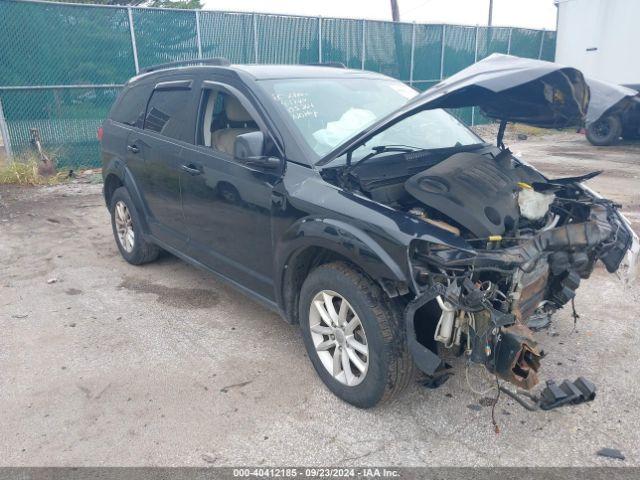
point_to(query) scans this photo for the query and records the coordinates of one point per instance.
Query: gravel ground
(103, 363)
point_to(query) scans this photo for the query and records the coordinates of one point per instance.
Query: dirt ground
(104, 363)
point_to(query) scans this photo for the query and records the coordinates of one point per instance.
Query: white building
(600, 38)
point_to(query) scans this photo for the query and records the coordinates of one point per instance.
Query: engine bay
(531, 241)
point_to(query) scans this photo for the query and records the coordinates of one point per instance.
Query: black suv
(361, 210)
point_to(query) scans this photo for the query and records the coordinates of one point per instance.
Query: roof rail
(220, 61)
(327, 64)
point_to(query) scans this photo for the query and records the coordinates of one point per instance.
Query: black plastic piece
(587, 389)
(427, 361)
(474, 190)
(500, 138)
(553, 396)
(572, 281)
(218, 61)
(571, 390)
(611, 453)
(436, 381)
(559, 262)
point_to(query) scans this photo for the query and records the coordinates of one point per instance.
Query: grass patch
(25, 170)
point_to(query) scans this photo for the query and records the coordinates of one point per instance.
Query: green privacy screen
(61, 66)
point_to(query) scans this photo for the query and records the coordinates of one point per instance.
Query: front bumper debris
(553, 395)
(517, 357)
(534, 277)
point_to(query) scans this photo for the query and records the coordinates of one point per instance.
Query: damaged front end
(486, 298)
(496, 246)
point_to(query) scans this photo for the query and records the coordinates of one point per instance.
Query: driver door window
(224, 119)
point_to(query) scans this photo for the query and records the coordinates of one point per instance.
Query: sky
(517, 13)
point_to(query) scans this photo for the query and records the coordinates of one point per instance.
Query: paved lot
(163, 365)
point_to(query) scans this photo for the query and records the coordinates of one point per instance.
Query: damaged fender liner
(517, 356)
(426, 360)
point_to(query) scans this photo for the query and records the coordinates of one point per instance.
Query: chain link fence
(63, 64)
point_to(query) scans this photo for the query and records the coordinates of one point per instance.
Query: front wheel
(354, 335)
(606, 131)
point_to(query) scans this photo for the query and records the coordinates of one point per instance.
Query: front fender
(343, 239)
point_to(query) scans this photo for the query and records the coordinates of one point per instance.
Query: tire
(389, 366)
(605, 131)
(137, 250)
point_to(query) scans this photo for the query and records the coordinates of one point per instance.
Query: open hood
(535, 92)
(607, 96)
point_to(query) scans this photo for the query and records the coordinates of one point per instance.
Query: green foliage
(26, 170)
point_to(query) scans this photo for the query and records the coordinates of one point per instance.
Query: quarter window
(167, 113)
(130, 109)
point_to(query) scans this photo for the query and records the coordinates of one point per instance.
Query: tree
(190, 4)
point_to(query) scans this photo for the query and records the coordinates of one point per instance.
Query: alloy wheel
(124, 226)
(339, 338)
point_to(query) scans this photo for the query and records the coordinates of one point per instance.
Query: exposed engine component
(522, 268)
(517, 357)
(477, 191)
(421, 213)
(533, 205)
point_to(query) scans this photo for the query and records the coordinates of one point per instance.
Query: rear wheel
(354, 335)
(605, 131)
(125, 222)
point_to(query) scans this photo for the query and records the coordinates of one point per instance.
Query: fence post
(364, 41)
(255, 37)
(320, 39)
(413, 53)
(475, 59)
(4, 131)
(133, 41)
(475, 55)
(541, 44)
(198, 34)
(444, 33)
(509, 41)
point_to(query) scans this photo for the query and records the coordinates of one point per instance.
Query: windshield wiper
(377, 150)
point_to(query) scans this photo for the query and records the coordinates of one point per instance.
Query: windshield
(426, 130)
(328, 111)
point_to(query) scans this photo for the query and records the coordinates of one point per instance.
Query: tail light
(100, 133)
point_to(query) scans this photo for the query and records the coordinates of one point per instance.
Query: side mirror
(248, 145)
(249, 149)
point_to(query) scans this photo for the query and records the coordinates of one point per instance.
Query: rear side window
(167, 113)
(131, 107)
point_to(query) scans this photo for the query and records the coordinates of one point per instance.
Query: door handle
(191, 169)
(133, 148)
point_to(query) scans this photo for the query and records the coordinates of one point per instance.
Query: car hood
(606, 96)
(535, 92)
